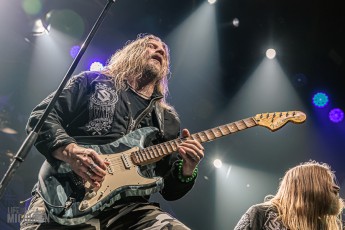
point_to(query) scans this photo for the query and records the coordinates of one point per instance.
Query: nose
(160, 50)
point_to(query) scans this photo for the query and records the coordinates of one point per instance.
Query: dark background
(210, 86)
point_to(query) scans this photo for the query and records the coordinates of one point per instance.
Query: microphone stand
(32, 136)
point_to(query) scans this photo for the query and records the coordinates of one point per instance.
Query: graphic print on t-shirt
(101, 109)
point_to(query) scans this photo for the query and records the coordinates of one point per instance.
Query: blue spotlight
(320, 100)
(74, 51)
(96, 66)
(336, 115)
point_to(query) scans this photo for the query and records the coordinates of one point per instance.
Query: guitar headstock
(276, 120)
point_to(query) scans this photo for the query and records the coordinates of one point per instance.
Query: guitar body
(69, 201)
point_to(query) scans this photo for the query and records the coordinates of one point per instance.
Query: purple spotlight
(336, 115)
(96, 66)
(320, 100)
(74, 51)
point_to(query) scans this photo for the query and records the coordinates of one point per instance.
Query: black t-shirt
(138, 105)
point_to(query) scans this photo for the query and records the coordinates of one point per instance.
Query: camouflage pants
(143, 216)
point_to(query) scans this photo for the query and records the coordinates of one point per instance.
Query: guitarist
(100, 107)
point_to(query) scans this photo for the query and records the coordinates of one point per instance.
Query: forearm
(63, 153)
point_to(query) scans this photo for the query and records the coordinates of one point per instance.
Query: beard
(151, 73)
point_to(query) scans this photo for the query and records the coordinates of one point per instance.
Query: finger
(185, 157)
(194, 143)
(192, 154)
(98, 160)
(87, 177)
(94, 176)
(91, 173)
(189, 154)
(192, 147)
(93, 167)
(92, 160)
(185, 133)
(81, 170)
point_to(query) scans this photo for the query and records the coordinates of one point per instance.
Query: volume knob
(90, 195)
(84, 205)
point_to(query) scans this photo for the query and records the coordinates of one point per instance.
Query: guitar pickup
(109, 168)
(125, 161)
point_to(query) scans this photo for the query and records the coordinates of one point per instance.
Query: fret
(202, 136)
(171, 143)
(175, 144)
(221, 131)
(144, 154)
(241, 125)
(196, 137)
(225, 130)
(233, 127)
(217, 132)
(168, 147)
(214, 133)
(136, 156)
(227, 127)
(159, 150)
(210, 134)
(164, 149)
(249, 122)
(140, 155)
(151, 151)
(155, 153)
(160, 153)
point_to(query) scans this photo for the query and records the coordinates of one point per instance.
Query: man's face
(157, 58)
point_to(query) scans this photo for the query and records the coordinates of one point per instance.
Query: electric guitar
(70, 201)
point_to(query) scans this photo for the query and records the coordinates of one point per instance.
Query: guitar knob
(84, 205)
(90, 195)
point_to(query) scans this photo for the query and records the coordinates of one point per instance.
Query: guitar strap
(159, 111)
(160, 117)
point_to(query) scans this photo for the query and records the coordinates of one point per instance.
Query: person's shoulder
(93, 75)
(171, 112)
(261, 207)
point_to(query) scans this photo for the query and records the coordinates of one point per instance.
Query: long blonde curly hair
(127, 64)
(307, 199)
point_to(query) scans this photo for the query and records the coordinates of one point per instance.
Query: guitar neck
(156, 152)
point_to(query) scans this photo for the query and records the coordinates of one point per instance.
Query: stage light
(211, 1)
(320, 100)
(32, 7)
(236, 22)
(217, 163)
(336, 115)
(96, 66)
(74, 51)
(40, 28)
(270, 53)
